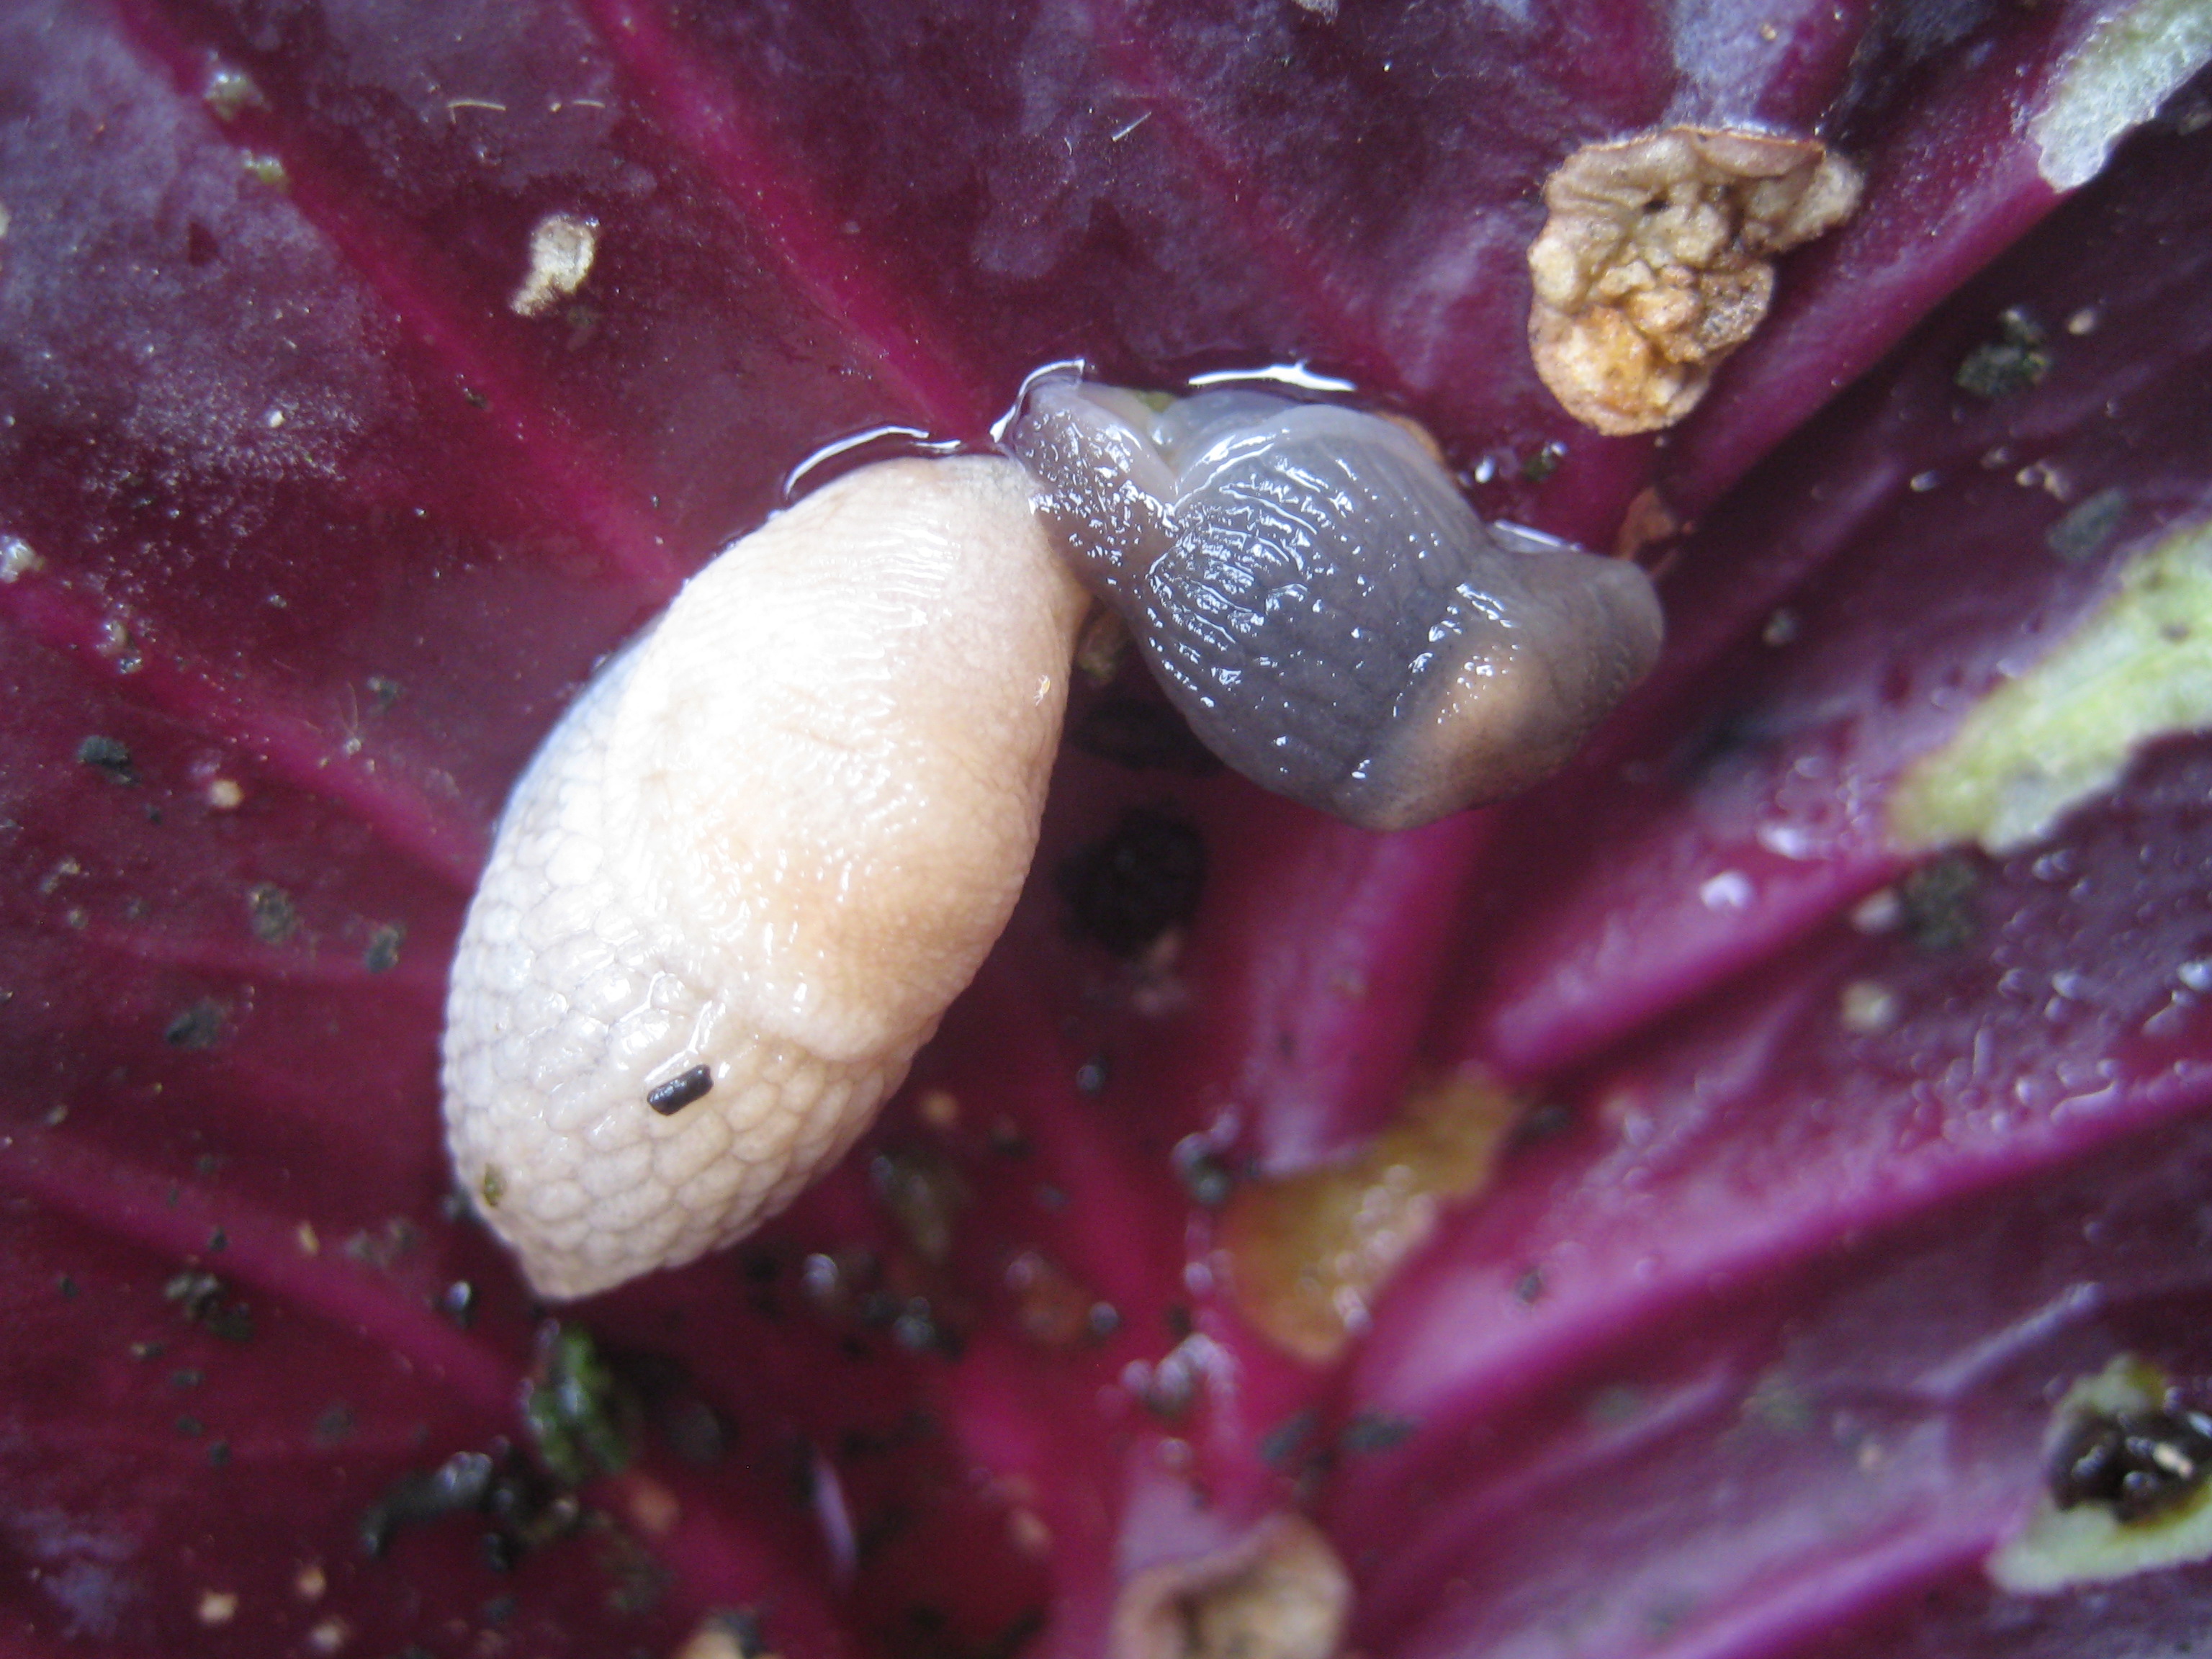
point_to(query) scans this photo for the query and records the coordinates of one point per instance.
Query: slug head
(1324, 607)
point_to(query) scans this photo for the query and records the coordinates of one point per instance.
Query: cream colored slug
(737, 888)
(776, 837)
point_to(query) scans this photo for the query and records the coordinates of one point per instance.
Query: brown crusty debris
(1657, 262)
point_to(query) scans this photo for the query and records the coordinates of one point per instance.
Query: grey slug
(1321, 604)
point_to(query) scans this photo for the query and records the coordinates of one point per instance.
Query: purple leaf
(1846, 1157)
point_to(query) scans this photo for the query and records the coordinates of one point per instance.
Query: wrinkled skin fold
(1318, 602)
(1750, 1343)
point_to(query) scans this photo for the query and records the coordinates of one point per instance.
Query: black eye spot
(680, 1090)
(2139, 1464)
(1130, 888)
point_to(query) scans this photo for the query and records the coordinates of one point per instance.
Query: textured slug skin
(775, 837)
(1330, 615)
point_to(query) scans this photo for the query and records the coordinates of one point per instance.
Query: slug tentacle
(1323, 605)
(743, 879)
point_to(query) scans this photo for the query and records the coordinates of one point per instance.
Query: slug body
(1324, 606)
(739, 884)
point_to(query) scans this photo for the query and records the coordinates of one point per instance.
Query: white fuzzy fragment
(775, 838)
(17, 559)
(561, 248)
